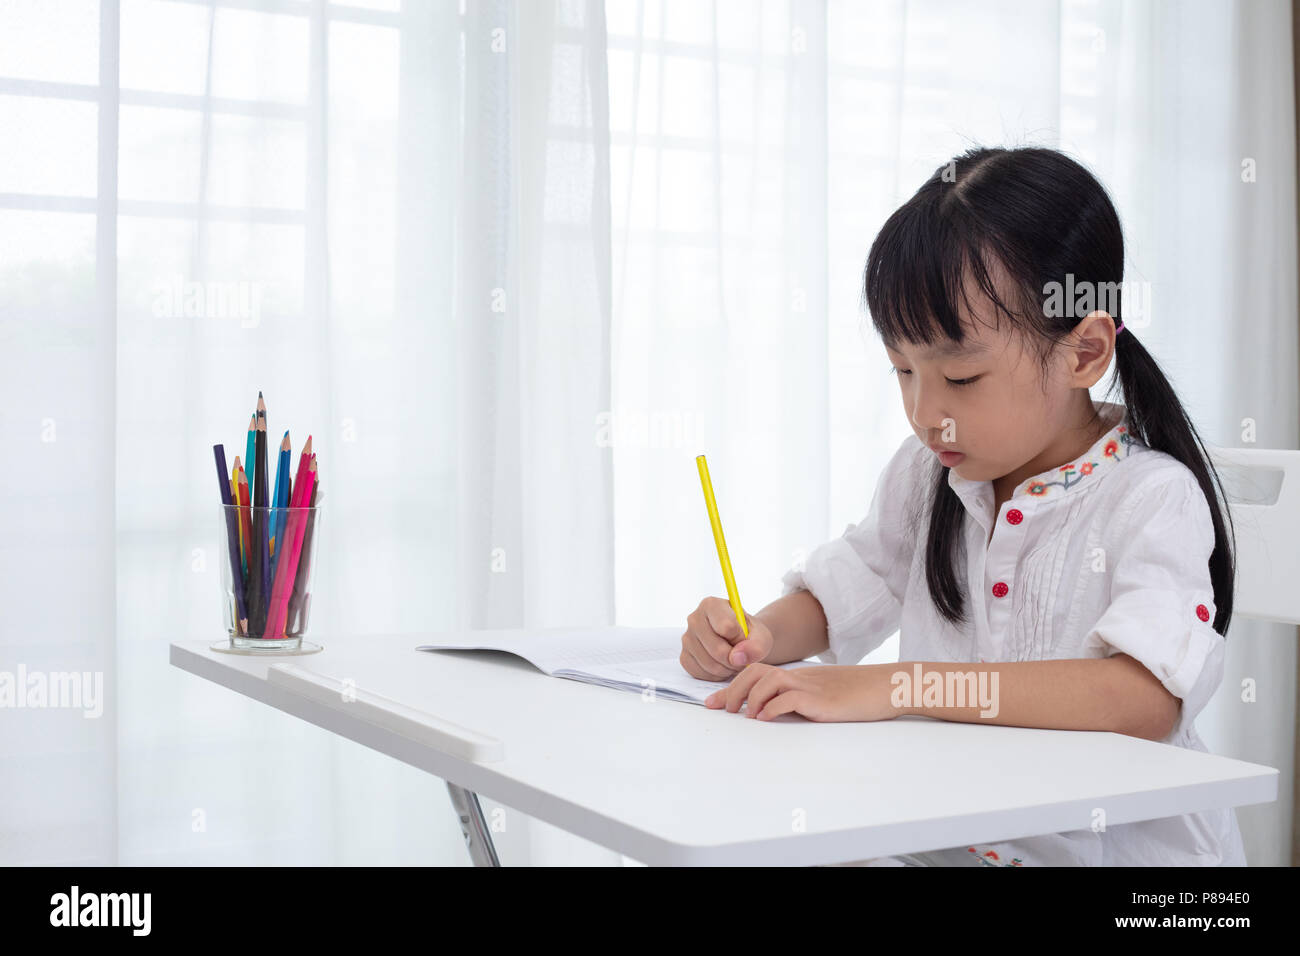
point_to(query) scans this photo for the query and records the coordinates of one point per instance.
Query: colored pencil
(232, 538)
(261, 521)
(282, 512)
(245, 523)
(282, 562)
(239, 525)
(286, 452)
(275, 504)
(299, 599)
(250, 457)
(269, 529)
(303, 459)
(733, 595)
(289, 555)
(280, 500)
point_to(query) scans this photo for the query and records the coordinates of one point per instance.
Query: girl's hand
(715, 648)
(822, 693)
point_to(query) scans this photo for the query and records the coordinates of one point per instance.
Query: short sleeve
(860, 578)
(1161, 609)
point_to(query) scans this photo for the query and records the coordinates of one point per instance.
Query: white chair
(1263, 489)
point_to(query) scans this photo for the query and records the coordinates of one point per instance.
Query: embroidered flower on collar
(991, 858)
(1114, 446)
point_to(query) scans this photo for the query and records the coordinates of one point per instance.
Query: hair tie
(1119, 328)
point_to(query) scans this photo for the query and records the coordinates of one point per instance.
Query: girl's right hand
(715, 648)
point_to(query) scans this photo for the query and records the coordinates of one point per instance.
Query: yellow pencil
(732, 594)
(234, 497)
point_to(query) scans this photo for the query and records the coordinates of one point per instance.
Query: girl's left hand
(824, 693)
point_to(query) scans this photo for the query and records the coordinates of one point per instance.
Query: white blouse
(1105, 555)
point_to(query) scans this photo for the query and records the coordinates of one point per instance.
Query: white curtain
(410, 203)
(515, 265)
(758, 148)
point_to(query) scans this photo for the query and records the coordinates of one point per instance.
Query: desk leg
(477, 838)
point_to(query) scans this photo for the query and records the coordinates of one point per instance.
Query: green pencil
(250, 458)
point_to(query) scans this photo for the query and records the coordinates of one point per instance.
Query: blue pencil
(286, 492)
(281, 499)
(250, 456)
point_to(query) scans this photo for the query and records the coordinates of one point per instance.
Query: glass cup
(269, 609)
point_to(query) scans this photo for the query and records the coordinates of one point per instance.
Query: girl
(1073, 553)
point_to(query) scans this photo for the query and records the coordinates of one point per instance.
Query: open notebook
(625, 658)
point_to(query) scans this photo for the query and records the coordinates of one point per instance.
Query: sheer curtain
(392, 219)
(513, 265)
(758, 147)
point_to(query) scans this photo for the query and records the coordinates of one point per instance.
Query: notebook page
(578, 649)
(664, 676)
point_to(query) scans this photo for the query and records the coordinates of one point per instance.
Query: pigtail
(1157, 418)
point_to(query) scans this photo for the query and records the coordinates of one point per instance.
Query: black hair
(1032, 215)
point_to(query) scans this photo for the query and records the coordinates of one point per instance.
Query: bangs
(917, 282)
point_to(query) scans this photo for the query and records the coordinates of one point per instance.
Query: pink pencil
(305, 457)
(281, 567)
(293, 536)
(282, 553)
(282, 557)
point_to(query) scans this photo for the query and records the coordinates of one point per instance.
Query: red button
(1202, 612)
(1014, 516)
(1000, 590)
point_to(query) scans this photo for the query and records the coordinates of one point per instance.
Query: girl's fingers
(716, 645)
(755, 647)
(786, 702)
(746, 652)
(735, 693)
(768, 686)
(691, 649)
(722, 620)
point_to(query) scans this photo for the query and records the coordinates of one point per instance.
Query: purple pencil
(232, 536)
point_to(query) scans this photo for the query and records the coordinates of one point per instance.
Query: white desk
(677, 784)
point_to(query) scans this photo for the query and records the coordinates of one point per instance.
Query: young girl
(1075, 549)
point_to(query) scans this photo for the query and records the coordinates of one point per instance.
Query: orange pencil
(239, 527)
(245, 514)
